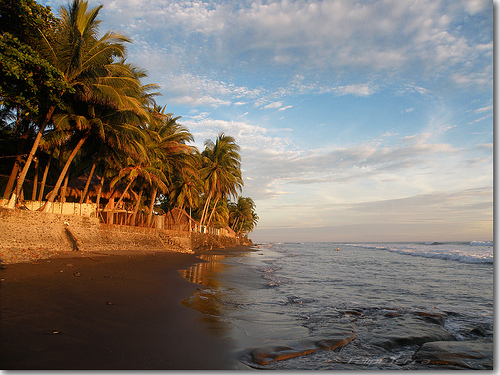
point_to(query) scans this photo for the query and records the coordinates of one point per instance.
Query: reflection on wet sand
(203, 273)
(209, 300)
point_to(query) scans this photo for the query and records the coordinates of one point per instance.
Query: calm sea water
(283, 293)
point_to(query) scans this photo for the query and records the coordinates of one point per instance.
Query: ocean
(347, 306)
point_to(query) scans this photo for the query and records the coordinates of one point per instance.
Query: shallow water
(295, 295)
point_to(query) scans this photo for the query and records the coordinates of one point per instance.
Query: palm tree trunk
(44, 178)
(99, 192)
(151, 205)
(62, 196)
(124, 192)
(87, 184)
(173, 218)
(22, 176)
(54, 192)
(136, 208)
(213, 210)
(236, 224)
(12, 178)
(35, 179)
(205, 209)
(179, 216)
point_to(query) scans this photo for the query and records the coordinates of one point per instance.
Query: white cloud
(192, 90)
(273, 105)
(359, 90)
(468, 79)
(200, 101)
(481, 118)
(476, 6)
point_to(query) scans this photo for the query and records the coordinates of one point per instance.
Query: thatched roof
(76, 186)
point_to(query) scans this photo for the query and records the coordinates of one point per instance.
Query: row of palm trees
(107, 125)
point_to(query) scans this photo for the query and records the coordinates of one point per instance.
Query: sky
(356, 120)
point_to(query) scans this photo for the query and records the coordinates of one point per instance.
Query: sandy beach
(102, 311)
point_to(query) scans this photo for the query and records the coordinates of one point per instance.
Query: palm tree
(127, 112)
(185, 192)
(220, 172)
(220, 215)
(151, 175)
(169, 145)
(242, 215)
(21, 128)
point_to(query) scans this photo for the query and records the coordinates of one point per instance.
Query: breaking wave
(473, 252)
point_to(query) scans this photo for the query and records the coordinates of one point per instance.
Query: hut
(108, 211)
(178, 219)
(228, 232)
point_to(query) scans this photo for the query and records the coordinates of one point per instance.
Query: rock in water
(466, 354)
(264, 356)
(393, 331)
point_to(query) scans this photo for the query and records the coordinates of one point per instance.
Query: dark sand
(106, 312)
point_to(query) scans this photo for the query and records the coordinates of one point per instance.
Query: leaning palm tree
(220, 172)
(74, 49)
(126, 111)
(151, 175)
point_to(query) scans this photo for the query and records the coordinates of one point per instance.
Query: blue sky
(357, 120)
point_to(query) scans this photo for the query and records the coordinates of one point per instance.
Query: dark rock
(407, 329)
(464, 354)
(432, 318)
(479, 331)
(264, 356)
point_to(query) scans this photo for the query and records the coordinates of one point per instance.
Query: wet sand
(106, 312)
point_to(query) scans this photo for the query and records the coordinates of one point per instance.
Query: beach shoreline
(107, 310)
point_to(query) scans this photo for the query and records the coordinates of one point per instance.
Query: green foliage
(25, 19)
(26, 80)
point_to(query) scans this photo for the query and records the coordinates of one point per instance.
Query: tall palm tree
(125, 108)
(169, 145)
(220, 172)
(242, 215)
